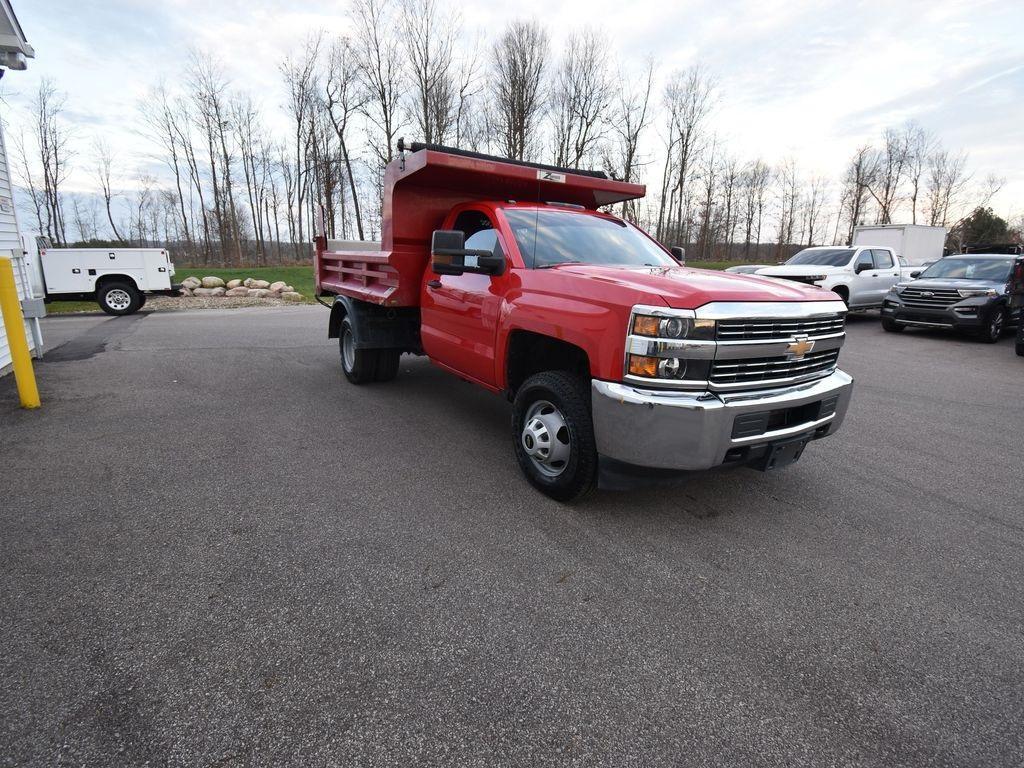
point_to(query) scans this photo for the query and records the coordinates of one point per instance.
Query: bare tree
(689, 97)
(162, 118)
(947, 178)
(857, 179)
(581, 95)
(104, 172)
(53, 139)
(430, 36)
(377, 52)
(630, 117)
(889, 169)
(920, 145)
(813, 207)
(342, 99)
(28, 180)
(518, 64)
(300, 80)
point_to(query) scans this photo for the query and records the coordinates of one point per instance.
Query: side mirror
(679, 254)
(449, 255)
(863, 266)
(915, 275)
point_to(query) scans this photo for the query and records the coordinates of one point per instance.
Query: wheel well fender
(104, 279)
(529, 353)
(342, 306)
(842, 290)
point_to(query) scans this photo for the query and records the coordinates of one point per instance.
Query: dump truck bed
(420, 188)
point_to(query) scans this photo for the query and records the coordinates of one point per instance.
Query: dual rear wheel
(363, 366)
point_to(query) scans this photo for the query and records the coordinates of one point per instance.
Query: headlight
(673, 327)
(968, 293)
(672, 368)
(898, 288)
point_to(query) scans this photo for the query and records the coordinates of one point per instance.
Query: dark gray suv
(965, 292)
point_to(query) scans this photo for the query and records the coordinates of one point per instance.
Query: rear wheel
(362, 366)
(890, 325)
(554, 435)
(119, 298)
(994, 328)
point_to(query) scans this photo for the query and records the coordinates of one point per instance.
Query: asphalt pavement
(215, 552)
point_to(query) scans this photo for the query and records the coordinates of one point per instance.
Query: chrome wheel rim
(546, 438)
(348, 350)
(118, 299)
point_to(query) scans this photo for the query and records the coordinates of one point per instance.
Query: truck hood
(798, 270)
(688, 288)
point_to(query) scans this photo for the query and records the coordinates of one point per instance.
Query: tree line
(238, 189)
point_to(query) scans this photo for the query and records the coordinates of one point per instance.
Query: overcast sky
(807, 80)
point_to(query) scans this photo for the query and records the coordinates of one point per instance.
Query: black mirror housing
(678, 253)
(915, 275)
(862, 267)
(449, 255)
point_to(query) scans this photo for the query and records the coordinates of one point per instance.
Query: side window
(473, 223)
(883, 259)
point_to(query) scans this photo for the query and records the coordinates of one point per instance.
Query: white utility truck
(118, 279)
(915, 245)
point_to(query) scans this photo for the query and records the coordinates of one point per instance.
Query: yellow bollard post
(10, 305)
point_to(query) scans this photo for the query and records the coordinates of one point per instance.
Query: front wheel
(994, 328)
(119, 298)
(554, 435)
(890, 325)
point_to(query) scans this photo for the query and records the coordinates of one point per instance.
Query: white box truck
(916, 245)
(118, 279)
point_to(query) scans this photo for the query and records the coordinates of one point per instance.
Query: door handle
(433, 283)
(76, 271)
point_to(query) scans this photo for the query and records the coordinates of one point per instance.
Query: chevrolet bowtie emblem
(799, 348)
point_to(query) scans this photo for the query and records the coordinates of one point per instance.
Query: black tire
(890, 325)
(142, 300)
(1019, 346)
(569, 397)
(387, 364)
(994, 327)
(118, 298)
(359, 365)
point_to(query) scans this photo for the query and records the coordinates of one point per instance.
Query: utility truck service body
(615, 357)
(118, 279)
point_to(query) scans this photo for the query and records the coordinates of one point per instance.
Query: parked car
(614, 356)
(118, 279)
(966, 292)
(746, 269)
(1017, 301)
(860, 276)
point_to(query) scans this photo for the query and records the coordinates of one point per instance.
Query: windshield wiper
(557, 264)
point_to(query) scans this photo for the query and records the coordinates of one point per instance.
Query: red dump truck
(617, 360)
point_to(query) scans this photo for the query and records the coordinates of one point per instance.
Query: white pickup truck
(861, 276)
(118, 279)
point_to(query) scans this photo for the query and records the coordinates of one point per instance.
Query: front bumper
(668, 429)
(968, 314)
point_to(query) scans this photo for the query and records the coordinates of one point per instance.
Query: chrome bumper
(694, 430)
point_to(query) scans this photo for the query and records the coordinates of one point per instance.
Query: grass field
(300, 278)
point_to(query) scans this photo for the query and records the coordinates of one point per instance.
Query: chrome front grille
(760, 369)
(930, 298)
(753, 329)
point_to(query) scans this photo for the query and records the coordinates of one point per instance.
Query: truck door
(459, 313)
(888, 270)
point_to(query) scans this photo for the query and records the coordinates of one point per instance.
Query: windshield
(997, 270)
(825, 257)
(547, 238)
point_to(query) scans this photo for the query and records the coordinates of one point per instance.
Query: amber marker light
(641, 365)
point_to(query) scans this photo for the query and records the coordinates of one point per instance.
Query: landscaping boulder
(191, 283)
(233, 284)
(287, 289)
(238, 290)
(247, 282)
(291, 296)
(185, 291)
(259, 293)
(218, 291)
(258, 284)
(212, 282)
(278, 286)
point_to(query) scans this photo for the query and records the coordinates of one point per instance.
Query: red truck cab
(615, 357)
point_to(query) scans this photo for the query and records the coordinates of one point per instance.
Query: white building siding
(10, 245)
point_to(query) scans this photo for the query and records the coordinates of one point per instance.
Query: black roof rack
(418, 145)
